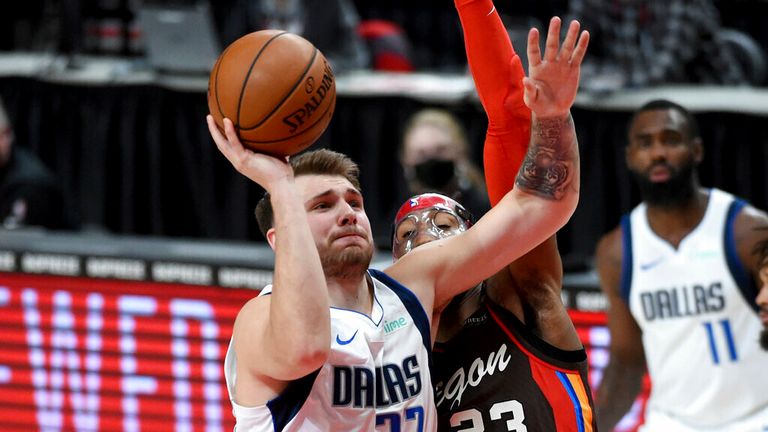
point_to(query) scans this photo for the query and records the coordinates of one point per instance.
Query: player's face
(661, 156)
(338, 223)
(423, 226)
(762, 302)
(659, 144)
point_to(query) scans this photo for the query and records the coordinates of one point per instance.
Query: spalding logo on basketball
(277, 88)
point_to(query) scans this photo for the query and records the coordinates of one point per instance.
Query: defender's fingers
(581, 49)
(570, 41)
(553, 40)
(534, 51)
(531, 93)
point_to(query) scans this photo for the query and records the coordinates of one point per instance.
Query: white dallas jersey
(376, 377)
(696, 309)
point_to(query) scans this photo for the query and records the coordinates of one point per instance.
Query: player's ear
(271, 238)
(698, 150)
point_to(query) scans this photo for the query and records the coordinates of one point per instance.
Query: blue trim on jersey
(744, 280)
(288, 403)
(412, 305)
(626, 261)
(375, 299)
(574, 399)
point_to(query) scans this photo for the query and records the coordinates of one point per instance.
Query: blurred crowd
(637, 43)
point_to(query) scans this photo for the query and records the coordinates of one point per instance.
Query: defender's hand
(552, 82)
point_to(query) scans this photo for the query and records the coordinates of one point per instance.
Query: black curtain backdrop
(139, 159)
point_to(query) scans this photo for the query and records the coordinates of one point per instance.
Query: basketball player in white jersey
(333, 346)
(680, 276)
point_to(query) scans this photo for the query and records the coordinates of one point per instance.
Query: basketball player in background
(679, 274)
(335, 346)
(762, 296)
(506, 355)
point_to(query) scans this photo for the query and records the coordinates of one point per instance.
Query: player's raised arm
(498, 74)
(294, 321)
(547, 187)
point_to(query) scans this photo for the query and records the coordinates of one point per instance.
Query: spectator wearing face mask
(434, 154)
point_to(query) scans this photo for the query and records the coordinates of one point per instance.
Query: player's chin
(351, 261)
(352, 240)
(351, 245)
(356, 252)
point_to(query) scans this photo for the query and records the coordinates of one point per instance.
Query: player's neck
(351, 293)
(456, 313)
(674, 223)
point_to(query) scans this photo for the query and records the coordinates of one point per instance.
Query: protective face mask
(435, 173)
(425, 225)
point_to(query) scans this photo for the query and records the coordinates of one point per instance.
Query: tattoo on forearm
(548, 166)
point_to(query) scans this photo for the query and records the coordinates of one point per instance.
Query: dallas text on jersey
(389, 384)
(678, 302)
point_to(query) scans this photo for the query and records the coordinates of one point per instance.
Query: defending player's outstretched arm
(498, 75)
(535, 209)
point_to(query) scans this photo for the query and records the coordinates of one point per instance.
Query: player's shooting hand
(261, 168)
(552, 82)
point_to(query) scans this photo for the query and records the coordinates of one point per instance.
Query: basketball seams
(311, 126)
(251, 83)
(285, 98)
(248, 75)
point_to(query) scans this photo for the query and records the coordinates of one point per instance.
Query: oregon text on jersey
(461, 379)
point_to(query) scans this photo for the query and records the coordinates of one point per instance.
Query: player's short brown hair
(318, 162)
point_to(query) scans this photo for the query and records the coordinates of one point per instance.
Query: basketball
(277, 88)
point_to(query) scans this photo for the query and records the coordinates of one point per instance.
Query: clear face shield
(426, 218)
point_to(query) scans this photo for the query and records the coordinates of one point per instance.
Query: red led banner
(82, 354)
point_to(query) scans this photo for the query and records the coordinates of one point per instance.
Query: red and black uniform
(496, 375)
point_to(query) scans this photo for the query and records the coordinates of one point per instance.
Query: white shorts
(656, 421)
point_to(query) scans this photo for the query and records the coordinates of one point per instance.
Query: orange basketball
(277, 88)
